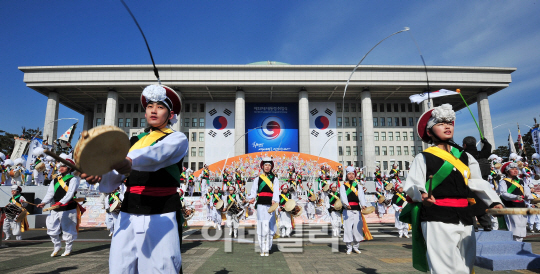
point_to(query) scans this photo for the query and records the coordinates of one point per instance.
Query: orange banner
(248, 164)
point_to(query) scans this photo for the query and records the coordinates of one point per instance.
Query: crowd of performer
(143, 195)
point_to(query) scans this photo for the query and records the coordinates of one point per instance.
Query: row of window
(194, 151)
(398, 136)
(193, 165)
(378, 121)
(128, 122)
(194, 136)
(390, 150)
(128, 108)
(348, 151)
(194, 122)
(387, 121)
(388, 107)
(348, 136)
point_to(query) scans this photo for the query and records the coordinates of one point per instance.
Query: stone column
(88, 120)
(111, 111)
(303, 121)
(51, 115)
(484, 118)
(240, 123)
(368, 143)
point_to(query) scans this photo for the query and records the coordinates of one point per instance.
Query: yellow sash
(115, 197)
(268, 182)
(217, 197)
(150, 138)
(24, 223)
(401, 196)
(456, 162)
(284, 197)
(515, 184)
(352, 188)
(62, 183)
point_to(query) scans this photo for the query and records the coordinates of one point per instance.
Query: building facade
(374, 123)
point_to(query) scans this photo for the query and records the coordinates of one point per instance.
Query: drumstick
(50, 208)
(63, 161)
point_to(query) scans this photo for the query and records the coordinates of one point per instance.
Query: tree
(7, 142)
(502, 151)
(29, 134)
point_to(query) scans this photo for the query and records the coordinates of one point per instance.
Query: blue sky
(449, 33)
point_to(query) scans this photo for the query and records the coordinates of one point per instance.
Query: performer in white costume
(285, 220)
(39, 177)
(20, 165)
(8, 163)
(147, 239)
(264, 193)
(335, 215)
(353, 200)
(446, 216)
(11, 226)
(514, 192)
(398, 201)
(232, 217)
(112, 215)
(63, 219)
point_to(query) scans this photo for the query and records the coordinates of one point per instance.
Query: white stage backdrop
(322, 130)
(219, 131)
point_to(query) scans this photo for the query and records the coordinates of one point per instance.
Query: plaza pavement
(310, 250)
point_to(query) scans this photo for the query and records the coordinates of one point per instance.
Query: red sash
(152, 190)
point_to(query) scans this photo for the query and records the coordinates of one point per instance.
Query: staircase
(496, 250)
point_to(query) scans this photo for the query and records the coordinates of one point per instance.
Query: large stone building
(374, 123)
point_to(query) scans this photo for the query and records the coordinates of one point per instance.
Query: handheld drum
(219, 204)
(40, 167)
(389, 186)
(100, 148)
(273, 207)
(290, 205)
(338, 205)
(368, 210)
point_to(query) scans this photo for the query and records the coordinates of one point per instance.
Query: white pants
(335, 220)
(451, 248)
(285, 223)
(310, 209)
(494, 222)
(266, 227)
(352, 226)
(110, 221)
(534, 221)
(12, 227)
(232, 221)
(381, 209)
(65, 222)
(216, 216)
(403, 228)
(517, 224)
(145, 244)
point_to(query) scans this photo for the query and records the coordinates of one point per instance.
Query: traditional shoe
(348, 252)
(55, 252)
(266, 254)
(262, 254)
(407, 236)
(66, 253)
(488, 228)
(400, 236)
(230, 233)
(6, 239)
(357, 251)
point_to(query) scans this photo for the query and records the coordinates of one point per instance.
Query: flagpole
(481, 135)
